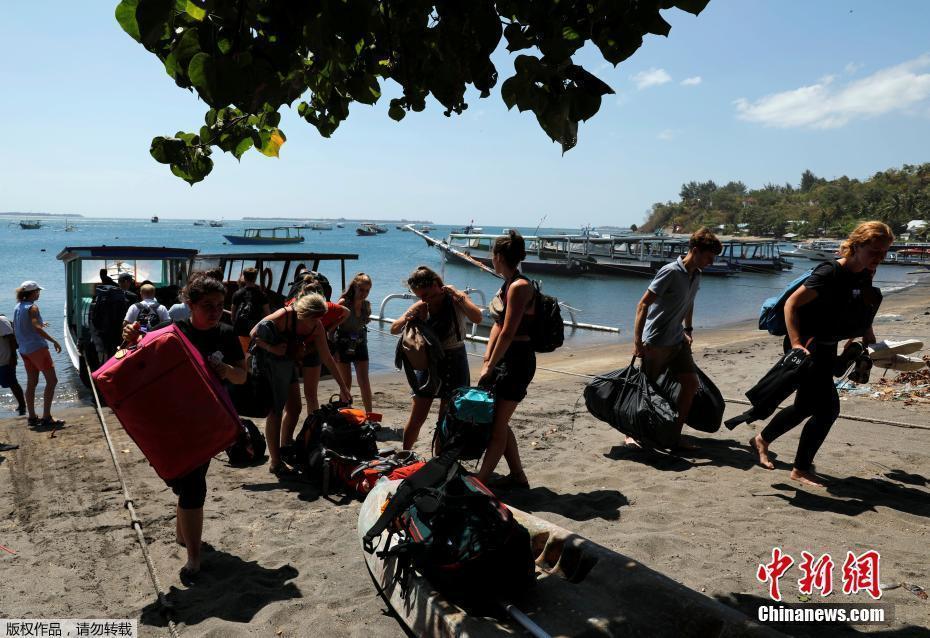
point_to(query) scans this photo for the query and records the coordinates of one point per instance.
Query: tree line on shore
(815, 208)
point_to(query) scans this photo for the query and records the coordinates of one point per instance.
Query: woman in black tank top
(509, 361)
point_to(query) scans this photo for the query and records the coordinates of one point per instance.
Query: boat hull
(264, 241)
(582, 588)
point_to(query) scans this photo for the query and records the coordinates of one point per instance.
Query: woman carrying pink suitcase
(220, 348)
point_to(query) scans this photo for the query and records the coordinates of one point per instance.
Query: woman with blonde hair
(351, 336)
(836, 302)
(280, 342)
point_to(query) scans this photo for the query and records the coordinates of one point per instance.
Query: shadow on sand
(712, 453)
(227, 588)
(854, 495)
(584, 506)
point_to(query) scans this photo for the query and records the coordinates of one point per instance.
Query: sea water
(388, 258)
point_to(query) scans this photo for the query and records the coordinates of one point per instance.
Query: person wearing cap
(31, 340)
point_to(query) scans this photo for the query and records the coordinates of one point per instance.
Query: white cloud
(651, 77)
(692, 81)
(667, 135)
(825, 105)
(852, 67)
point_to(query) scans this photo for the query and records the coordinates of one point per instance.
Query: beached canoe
(582, 588)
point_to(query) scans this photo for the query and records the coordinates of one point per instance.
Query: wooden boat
(166, 268)
(273, 236)
(543, 254)
(582, 589)
(379, 228)
(320, 226)
(30, 224)
(154, 219)
(366, 230)
(817, 249)
(217, 223)
(69, 227)
(200, 222)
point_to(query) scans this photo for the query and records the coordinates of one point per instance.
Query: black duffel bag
(630, 403)
(777, 385)
(707, 408)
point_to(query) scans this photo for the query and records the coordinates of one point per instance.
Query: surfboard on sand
(582, 588)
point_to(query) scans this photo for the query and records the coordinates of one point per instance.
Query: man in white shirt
(148, 312)
(8, 364)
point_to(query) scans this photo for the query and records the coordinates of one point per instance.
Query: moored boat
(217, 223)
(154, 219)
(30, 224)
(165, 268)
(581, 589)
(267, 236)
(366, 230)
(379, 228)
(816, 249)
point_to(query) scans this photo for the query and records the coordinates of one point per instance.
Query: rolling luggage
(169, 401)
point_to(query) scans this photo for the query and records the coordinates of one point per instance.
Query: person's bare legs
(272, 438)
(51, 380)
(807, 478)
(291, 413)
(418, 413)
(17, 391)
(761, 447)
(190, 529)
(500, 437)
(364, 384)
(689, 383)
(512, 456)
(345, 369)
(32, 380)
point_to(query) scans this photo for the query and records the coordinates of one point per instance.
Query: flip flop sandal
(509, 483)
(51, 423)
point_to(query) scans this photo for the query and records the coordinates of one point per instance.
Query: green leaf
(569, 34)
(187, 47)
(244, 144)
(202, 74)
(198, 13)
(396, 112)
(126, 16)
(166, 150)
(509, 92)
(154, 18)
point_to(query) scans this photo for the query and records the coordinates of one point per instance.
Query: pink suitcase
(169, 401)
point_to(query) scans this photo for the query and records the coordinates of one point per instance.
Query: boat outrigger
(276, 235)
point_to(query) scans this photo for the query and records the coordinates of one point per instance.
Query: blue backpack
(772, 313)
(467, 423)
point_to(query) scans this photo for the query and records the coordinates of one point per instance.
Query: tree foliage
(246, 59)
(817, 207)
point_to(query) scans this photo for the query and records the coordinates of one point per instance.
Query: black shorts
(453, 371)
(513, 373)
(191, 489)
(343, 355)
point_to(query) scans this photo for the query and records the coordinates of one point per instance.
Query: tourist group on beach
(287, 348)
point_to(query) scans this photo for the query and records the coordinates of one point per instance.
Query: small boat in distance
(30, 224)
(154, 219)
(69, 227)
(275, 235)
(217, 223)
(200, 222)
(379, 228)
(366, 230)
(817, 249)
(320, 226)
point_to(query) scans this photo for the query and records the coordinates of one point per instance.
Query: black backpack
(245, 311)
(249, 447)
(108, 310)
(457, 534)
(328, 432)
(148, 315)
(548, 331)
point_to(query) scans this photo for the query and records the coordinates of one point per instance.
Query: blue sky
(749, 90)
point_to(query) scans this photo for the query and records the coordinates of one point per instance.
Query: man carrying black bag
(663, 328)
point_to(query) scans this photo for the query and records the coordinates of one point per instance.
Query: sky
(750, 90)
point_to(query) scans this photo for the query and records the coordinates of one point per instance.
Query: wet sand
(286, 562)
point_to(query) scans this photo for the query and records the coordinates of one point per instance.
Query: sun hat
(124, 275)
(29, 286)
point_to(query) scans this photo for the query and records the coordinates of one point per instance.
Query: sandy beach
(286, 562)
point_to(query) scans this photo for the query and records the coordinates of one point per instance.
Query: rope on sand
(848, 417)
(135, 522)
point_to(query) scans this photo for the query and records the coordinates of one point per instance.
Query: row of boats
(901, 254)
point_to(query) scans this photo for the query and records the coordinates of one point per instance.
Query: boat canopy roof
(280, 256)
(72, 253)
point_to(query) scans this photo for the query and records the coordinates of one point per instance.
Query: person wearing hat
(127, 283)
(31, 337)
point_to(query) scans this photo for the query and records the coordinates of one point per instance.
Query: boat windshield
(155, 270)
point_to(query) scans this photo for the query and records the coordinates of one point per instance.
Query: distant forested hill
(816, 207)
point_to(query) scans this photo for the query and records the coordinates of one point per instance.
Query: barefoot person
(663, 328)
(351, 336)
(444, 309)
(280, 339)
(30, 338)
(204, 296)
(509, 360)
(837, 302)
(8, 364)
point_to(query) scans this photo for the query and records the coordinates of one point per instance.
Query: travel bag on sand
(707, 407)
(466, 423)
(249, 447)
(361, 478)
(630, 403)
(169, 401)
(457, 534)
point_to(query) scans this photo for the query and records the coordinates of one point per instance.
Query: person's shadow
(227, 588)
(854, 495)
(711, 453)
(583, 506)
